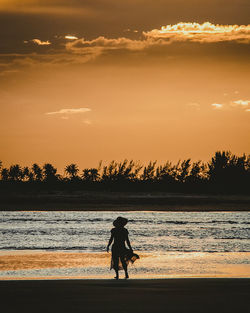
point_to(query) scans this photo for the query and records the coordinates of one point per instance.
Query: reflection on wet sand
(54, 265)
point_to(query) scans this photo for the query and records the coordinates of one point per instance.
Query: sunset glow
(85, 81)
(41, 43)
(206, 32)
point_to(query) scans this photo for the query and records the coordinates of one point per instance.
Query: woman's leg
(125, 267)
(116, 265)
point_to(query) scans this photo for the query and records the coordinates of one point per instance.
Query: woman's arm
(128, 243)
(110, 241)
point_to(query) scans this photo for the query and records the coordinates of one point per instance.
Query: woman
(121, 256)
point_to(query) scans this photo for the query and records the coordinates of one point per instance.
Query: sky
(89, 80)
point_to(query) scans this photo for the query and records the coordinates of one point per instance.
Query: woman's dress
(121, 254)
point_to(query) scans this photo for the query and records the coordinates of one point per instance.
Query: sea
(72, 244)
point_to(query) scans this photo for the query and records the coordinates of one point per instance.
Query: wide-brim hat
(120, 221)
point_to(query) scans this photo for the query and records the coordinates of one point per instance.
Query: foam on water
(149, 231)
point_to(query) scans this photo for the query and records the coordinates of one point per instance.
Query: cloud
(70, 37)
(40, 42)
(241, 103)
(203, 33)
(192, 32)
(73, 50)
(217, 105)
(69, 111)
(99, 44)
(91, 49)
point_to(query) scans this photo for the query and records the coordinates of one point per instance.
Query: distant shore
(123, 201)
(147, 296)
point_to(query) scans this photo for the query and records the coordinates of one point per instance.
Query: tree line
(225, 172)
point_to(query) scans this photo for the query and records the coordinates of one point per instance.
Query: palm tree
(49, 172)
(37, 171)
(27, 174)
(5, 174)
(15, 172)
(90, 174)
(72, 170)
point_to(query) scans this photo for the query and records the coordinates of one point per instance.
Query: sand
(166, 295)
(83, 265)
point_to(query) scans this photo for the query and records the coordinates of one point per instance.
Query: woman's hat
(120, 221)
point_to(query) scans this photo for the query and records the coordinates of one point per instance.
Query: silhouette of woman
(121, 256)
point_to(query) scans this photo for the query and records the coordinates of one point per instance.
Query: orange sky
(122, 87)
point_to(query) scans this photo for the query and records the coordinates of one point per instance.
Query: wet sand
(83, 265)
(166, 295)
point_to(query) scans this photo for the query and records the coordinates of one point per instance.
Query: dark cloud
(110, 17)
(103, 25)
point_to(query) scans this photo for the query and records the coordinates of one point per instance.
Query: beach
(81, 265)
(72, 245)
(92, 296)
(189, 262)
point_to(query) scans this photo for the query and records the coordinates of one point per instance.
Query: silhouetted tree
(198, 172)
(247, 163)
(37, 172)
(134, 170)
(166, 173)
(218, 165)
(15, 172)
(49, 172)
(225, 172)
(149, 172)
(72, 170)
(127, 170)
(90, 175)
(228, 171)
(184, 170)
(27, 174)
(5, 174)
(121, 171)
(110, 171)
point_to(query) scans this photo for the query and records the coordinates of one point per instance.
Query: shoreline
(124, 208)
(160, 295)
(121, 201)
(48, 265)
